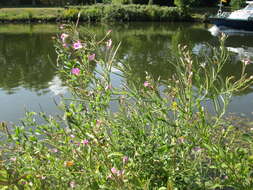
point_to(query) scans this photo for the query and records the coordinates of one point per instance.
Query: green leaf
(162, 149)
(3, 176)
(247, 137)
(115, 154)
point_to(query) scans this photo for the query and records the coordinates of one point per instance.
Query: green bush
(127, 13)
(121, 2)
(237, 4)
(195, 3)
(181, 3)
(101, 12)
(71, 13)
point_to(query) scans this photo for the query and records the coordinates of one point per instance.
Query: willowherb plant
(155, 140)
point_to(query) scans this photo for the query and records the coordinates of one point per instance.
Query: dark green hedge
(97, 13)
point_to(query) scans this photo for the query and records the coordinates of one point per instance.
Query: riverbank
(99, 13)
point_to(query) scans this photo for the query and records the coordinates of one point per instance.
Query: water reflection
(239, 41)
(240, 44)
(24, 61)
(25, 70)
(148, 48)
(29, 78)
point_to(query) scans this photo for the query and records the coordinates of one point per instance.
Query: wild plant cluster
(161, 136)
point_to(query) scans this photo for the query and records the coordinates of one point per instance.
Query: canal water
(28, 78)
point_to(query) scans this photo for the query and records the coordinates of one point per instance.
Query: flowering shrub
(155, 140)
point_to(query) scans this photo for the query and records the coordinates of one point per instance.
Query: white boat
(241, 19)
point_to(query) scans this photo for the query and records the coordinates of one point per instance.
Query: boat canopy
(249, 7)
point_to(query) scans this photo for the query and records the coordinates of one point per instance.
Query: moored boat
(241, 19)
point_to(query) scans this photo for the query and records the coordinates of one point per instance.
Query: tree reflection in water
(145, 47)
(24, 61)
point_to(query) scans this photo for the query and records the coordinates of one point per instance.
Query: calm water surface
(28, 79)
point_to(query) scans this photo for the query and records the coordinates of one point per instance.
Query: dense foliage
(126, 13)
(96, 13)
(160, 137)
(88, 2)
(236, 4)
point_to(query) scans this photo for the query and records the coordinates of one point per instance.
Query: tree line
(189, 3)
(42, 2)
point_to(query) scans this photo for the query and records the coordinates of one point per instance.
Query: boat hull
(233, 23)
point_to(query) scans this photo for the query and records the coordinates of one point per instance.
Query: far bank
(102, 13)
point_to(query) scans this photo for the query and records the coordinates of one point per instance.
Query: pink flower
(64, 45)
(109, 176)
(181, 140)
(92, 57)
(54, 150)
(72, 136)
(85, 142)
(62, 26)
(72, 184)
(78, 144)
(109, 43)
(13, 159)
(43, 177)
(98, 122)
(197, 149)
(246, 62)
(120, 172)
(108, 87)
(125, 159)
(108, 32)
(146, 84)
(75, 71)
(114, 170)
(63, 37)
(77, 45)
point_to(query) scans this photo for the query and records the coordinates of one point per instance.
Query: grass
(15, 14)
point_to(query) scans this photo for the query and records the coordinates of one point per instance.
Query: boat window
(249, 7)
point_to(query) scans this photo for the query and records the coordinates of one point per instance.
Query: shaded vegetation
(192, 3)
(96, 13)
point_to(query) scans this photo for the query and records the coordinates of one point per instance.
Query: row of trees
(191, 3)
(42, 2)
